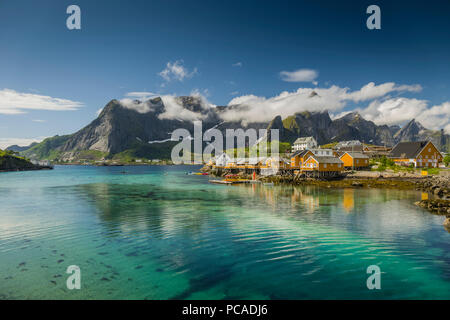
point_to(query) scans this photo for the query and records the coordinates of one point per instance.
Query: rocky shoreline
(27, 169)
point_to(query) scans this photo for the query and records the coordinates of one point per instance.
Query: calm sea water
(157, 233)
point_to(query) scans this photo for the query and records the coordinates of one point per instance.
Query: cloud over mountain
(334, 99)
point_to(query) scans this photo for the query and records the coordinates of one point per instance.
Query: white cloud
(137, 105)
(300, 75)
(237, 64)
(401, 110)
(254, 108)
(39, 120)
(140, 94)
(13, 102)
(372, 91)
(176, 71)
(174, 110)
(6, 142)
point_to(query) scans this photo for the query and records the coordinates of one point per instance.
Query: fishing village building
(354, 160)
(320, 162)
(322, 166)
(304, 143)
(299, 157)
(420, 154)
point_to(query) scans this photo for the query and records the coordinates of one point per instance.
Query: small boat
(229, 181)
(220, 181)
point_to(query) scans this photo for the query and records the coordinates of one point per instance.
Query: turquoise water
(156, 233)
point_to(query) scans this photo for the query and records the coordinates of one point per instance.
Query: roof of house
(300, 153)
(351, 148)
(348, 143)
(304, 140)
(407, 150)
(356, 155)
(326, 159)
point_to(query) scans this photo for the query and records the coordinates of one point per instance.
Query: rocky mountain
(143, 129)
(414, 131)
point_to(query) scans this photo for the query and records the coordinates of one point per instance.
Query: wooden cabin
(420, 154)
(276, 162)
(322, 166)
(298, 157)
(376, 151)
(354, 160)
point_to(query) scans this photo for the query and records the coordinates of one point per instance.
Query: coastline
(27, 169)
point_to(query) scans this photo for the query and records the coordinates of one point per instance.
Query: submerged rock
(447, 222)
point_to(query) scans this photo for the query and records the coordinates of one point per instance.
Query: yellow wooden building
(299, 157)
(355, 160)
(322, 166)
(422, 154)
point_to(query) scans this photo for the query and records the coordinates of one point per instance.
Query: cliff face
(120, 127)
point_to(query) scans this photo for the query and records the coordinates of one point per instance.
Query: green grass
(47, 149)
(329, 145)
(433, 170)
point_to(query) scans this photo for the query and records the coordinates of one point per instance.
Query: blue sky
(221, 49)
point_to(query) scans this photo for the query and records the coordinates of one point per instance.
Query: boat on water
(197, 173)
(230, 181)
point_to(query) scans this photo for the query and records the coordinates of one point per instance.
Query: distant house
(304, 143)
(323, 165)
(43, 163)
(355, 160)
(348, 143)
(222, 160)
(376, 151)
(277, 162)
(353, 148)
(420, 154)
(272, 165)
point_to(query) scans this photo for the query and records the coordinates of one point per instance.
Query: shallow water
(156, 233)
